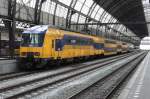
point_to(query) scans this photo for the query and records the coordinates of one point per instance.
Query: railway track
(69, 88)
(18, 74)
(20, 86)
(104, 88)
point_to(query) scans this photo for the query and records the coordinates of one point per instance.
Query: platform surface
(8, 66)
(138, 86)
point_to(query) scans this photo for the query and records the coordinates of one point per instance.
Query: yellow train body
(42, 44)
(110, 47)
(48, 50)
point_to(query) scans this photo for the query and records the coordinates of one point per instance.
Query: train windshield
(32, 40)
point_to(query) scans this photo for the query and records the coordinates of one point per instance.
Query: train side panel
(70, 45)
(110, 47)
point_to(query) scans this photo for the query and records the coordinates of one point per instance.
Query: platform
(8, 66)
(138, 86)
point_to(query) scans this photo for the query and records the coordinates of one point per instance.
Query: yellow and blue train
(44, 44)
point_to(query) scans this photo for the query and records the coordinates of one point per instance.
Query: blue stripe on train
(84, 41)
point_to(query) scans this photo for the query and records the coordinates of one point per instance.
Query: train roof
(78, 34)
(37, 29)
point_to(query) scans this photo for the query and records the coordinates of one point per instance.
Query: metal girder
(11, 25)
(54, 16)
(87, 20)
(91, 9)
(68, 7)
(70, 13)
(79, 13)
(37, 11)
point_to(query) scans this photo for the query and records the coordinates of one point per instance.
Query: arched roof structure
(65, 12)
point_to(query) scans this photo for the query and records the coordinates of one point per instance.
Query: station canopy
(127, 11)
(104, 11)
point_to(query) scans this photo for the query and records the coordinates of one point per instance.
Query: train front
(31, 48)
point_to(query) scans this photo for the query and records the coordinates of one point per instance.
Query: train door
(58, 47)
(53, 48)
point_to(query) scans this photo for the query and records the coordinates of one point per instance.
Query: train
(44, 44)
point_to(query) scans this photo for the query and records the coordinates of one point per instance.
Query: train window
(32, 39)
(58, 44)
(73, 41)
(77, 40)
(68, 41)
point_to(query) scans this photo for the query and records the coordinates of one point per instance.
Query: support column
(11, 25)
(37, 12)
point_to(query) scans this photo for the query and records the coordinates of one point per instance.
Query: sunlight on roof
(145, 43)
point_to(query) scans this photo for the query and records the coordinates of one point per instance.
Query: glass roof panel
(101, 10)
(89, 3)
(61, 11)
(107, 18)
(85, 9)
(95, 11)
(79, 4)
(52, 8)
(87, 6)
(49, 7)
